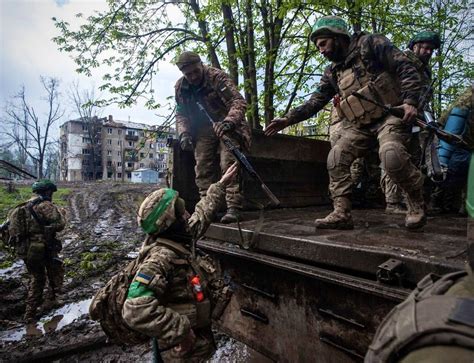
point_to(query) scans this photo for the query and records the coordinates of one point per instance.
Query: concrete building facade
(103, 148)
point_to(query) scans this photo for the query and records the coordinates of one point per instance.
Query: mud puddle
(53, 321)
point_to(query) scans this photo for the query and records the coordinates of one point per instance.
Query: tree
(262, 42)
(30, 132)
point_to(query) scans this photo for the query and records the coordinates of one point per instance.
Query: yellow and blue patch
(143, 278)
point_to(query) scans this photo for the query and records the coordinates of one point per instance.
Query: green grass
(23, 193)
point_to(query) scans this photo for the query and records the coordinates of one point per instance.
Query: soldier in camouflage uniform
(217, 93)
(371, 65)
(164, 300)
(41, 248)
(420, 49)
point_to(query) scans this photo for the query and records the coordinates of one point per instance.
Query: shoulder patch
(143, 278)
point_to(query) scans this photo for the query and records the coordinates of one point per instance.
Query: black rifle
(398, 112)
(241, 158)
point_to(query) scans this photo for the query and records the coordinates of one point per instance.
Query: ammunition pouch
(198, 313)
(383, 88)
(36, 252)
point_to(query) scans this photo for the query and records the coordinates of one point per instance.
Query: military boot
(232, 215)
(416, 215)
(340, 218)
(395, 208)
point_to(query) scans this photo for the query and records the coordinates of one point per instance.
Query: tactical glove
(221, 128)
(186, 142)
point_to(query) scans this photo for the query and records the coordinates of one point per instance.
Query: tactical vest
(426, 318)
(381, 87)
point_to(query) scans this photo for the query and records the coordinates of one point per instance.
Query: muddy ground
(101, 237)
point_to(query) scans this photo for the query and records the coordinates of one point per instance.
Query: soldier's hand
(277, 124)
(186, 344)
(230, 174)
(410, 112)
(220, 128)
(186, 142)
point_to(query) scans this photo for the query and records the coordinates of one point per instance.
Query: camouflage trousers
(368, 164)
(393, 193)
(210, 154)
(392, 136)
(203, 349)
(51, 269)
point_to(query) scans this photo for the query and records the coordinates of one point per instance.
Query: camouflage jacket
(166, 307)
(220, 98)
(378, 55)
(49, 215)
(424, 72)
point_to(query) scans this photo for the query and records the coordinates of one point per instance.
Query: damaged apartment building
(103, 148)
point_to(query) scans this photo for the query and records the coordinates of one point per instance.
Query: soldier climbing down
(371, 65)
(217, 93)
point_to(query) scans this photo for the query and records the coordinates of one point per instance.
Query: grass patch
(23, 193)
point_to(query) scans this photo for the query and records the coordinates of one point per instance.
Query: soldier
(38, 246)
(371, 65)
(420, 49)
(217, 93)
(173, 294)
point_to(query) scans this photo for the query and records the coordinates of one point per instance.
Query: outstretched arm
(207, 207)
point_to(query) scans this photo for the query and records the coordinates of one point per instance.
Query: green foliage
(132, 38)
(23, 193)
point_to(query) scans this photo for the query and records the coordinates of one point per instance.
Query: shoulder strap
(36, 217)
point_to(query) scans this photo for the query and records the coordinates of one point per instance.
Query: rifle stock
(242, 159)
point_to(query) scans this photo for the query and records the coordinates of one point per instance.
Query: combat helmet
(159, 210)
(425, 36)
(43, 185)
(329, 26)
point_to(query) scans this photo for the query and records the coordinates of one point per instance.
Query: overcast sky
(28, 52)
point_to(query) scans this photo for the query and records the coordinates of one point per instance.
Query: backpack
(106, 306)
(20, 219)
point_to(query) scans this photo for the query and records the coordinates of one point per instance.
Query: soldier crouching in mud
(32, 228)
(174, 294)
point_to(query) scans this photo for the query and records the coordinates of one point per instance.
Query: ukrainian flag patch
(143, 278)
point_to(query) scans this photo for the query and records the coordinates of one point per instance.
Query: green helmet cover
(329, 26)
(43, 185)
(157, 211)
(426, 36)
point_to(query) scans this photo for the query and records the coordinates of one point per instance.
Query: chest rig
(355, 76)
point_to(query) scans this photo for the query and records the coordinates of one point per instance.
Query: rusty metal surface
(295, 313)
(290, 233)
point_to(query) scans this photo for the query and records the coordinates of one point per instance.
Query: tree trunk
(251, 70)
(230, 42)
(205, 34)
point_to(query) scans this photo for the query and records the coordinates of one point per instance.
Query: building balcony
(131, 137)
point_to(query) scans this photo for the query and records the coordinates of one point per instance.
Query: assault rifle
(241, 158)
(398, 112)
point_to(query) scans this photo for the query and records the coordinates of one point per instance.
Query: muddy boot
(232, 215)
(395, 208)
(416, 216)
(340, 218)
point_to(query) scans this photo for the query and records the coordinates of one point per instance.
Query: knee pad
(392, 158)
(338, 156)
